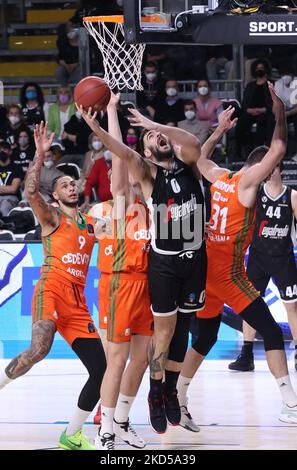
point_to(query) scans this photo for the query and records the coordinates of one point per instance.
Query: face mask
(97, 145)
(287, 79)
(131, 139)
(107, 155)
(260, 73)
(120, 3)
(190, 115)
(203, 90)
(72, 34)
(23, 141)
(151, 76)
(171, 91)
(31, 94)
(64, 99)
(78, 115)
(49, 164)
(14, 120)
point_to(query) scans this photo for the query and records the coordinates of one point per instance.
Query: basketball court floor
(235, 411)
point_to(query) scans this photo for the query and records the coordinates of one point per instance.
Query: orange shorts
(129, 310)
(227, 283)
(64, 303)
(103, 299)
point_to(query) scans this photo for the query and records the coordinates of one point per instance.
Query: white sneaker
(288, 415)
(104, 442)
(186, 420)
(125, 432)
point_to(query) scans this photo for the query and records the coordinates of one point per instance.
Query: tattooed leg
(158, 350)
(43, 332)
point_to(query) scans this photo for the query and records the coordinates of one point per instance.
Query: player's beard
(163, 156)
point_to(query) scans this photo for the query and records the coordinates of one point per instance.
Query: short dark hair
(151, 64)
(141, 141)
(257, 155)
(190, 102)
(55, 181)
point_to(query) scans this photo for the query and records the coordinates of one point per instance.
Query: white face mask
(49, 164)
(78, 114)
(14, 120)
(120, 3)
(287, 79)
(190, 115)
(97, 145)
(107, 155)
(203, 90)
(171, 91)
(151, 76)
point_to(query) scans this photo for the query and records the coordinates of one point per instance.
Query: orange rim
(154, 18)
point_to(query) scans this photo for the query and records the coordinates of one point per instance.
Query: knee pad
(273, 338)
(207, 334)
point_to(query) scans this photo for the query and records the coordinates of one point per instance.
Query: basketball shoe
(75, 442)
(125, 432)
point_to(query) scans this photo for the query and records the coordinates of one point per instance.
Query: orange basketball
(92, 92)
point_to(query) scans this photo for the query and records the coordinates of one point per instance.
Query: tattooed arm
(46, 214)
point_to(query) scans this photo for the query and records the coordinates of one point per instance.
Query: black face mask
(260, 73)
(3, 157)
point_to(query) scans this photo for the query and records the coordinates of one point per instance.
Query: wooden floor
(235, 410)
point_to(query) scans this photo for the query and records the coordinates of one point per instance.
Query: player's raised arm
(190, 145)
(137, 166)
(260, 171)
(46, 214)
(209, 169)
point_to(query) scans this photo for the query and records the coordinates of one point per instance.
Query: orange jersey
(68, 250)
(231, 224)
(125, 249)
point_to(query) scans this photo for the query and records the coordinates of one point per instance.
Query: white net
(122, 62)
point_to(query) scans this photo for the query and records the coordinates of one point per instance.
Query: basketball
(92, 92)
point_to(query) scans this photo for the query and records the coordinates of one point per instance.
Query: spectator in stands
(67, 44)
(132, 138)
(10, 180)
(152, 88)
(256, 109)
(98, 179)
(59, 113)
(285, 88)
(10, 130)
(24, 153)
(48, 173)
(171, 107)
(32, 104)
(96, 151)
(75, 139)
(208, 108)
(191, 124)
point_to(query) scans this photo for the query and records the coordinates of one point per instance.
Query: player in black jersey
(271, 255)
(170, 181)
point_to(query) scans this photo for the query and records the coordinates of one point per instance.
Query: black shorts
(282, 270)
(177, 282)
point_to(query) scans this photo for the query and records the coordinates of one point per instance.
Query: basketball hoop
(122, 62)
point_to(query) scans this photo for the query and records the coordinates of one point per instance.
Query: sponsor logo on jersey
(264, 199)
(226, 187)
(218, 238)
(91, 328)
(273, 232)
(76, 258)
(108, 250)
(142, 234)
(4, 176)
(75, 272)
(90, 229)
(218, 197)
(192, 298)
(183, 210)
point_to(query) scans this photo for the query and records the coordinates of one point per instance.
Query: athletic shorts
(282, 269)
(103, 293)
(227, 283)
(128, 307)
(177, 282)
(64, 303)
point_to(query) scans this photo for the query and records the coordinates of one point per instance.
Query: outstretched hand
(43, 141)
(277, 102)
(138, 120)
(225, 119)
(114, 99)
(89, 117)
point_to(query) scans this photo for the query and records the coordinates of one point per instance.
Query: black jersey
(176, 210)
(274, 223)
